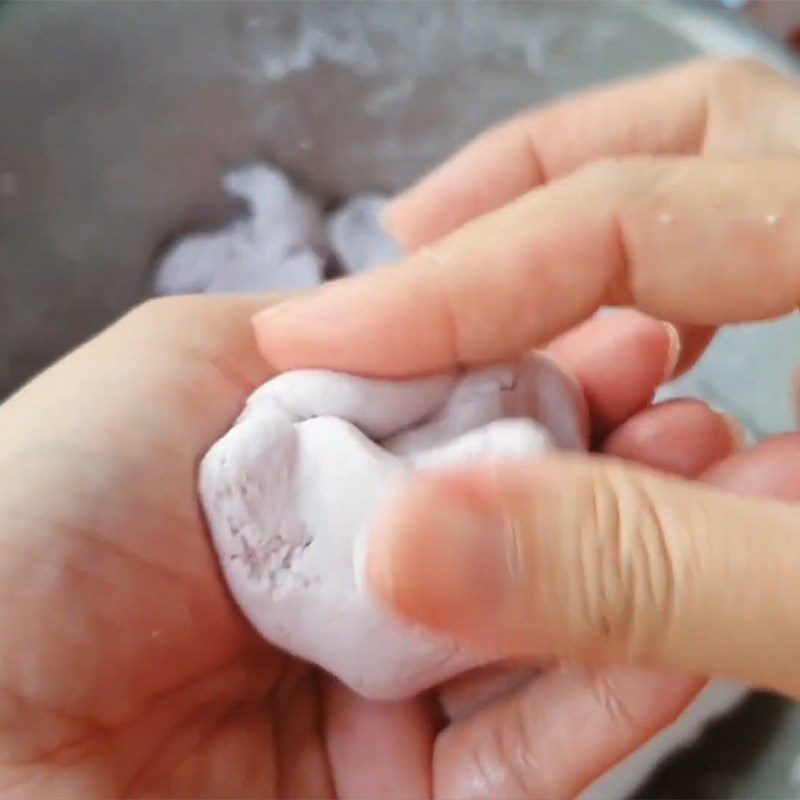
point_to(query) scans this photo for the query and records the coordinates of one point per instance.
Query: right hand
(679, 195)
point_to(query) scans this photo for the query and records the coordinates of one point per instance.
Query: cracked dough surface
(290, 492)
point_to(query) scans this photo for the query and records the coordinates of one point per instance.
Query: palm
(152, 685)
(125, 669)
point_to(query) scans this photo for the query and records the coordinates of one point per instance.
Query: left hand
(125, 668)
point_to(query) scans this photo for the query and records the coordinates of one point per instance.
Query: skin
(125, 668)
(676, 194)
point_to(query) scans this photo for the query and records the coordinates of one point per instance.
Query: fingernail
(441, 551)
(674, 352)
(273, 311)
(292, 299)
(303, 306)
(740, 436)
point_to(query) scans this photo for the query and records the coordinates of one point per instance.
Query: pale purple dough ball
(290, 492)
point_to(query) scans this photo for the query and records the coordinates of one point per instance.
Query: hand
(126, 670)
(677, 194)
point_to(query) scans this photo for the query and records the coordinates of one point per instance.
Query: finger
(711, 105)
(378, 749)
(594, 561)
(465, 694)
(680, 437)
(497, 751)
(683, 437)
(771, 469)
(557, 735)
(694, 242)
(620, 361)
(660, 114)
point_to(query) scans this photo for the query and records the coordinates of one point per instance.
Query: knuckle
(621, 575)
(750, 107)
(503, 761)
(730, 74)
(614, 703)
(480, 758)
(492, 762)
(527, 772)
(622, 182)
(613, 171)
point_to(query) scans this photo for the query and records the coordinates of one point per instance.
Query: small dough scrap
(291, 491)
(357, 237)
(279, 246)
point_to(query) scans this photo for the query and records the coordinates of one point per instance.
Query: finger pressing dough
(291, 490)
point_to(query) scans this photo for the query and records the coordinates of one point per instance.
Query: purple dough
(290, 491)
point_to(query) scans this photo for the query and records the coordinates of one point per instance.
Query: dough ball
(291, 490)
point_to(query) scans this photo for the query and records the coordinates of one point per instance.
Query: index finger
(559, 734)
(688, 240)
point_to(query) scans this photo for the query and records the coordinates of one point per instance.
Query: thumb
(594, 561)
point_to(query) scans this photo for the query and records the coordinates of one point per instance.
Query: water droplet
(773, 219)
(665, 218)
(155, 634)
(255, 22)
